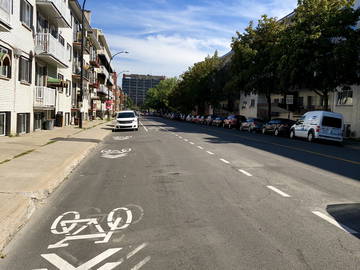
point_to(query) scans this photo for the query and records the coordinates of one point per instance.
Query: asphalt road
(180, 196)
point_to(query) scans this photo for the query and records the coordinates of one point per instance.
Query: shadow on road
(326, 156)
(75, 140)
(348, 215)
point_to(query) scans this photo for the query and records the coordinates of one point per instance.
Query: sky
(165, 37)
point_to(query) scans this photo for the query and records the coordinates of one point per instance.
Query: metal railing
(61, 6)
(46, 43)
(44, 96)
(5, 10)
(102, 89)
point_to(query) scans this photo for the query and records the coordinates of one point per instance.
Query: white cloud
(162, 55)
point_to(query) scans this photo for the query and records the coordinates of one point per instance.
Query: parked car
(218, 121)
(252, 125)
(209, 120)
(278, 126)
(126, 120)
(196, 119)
(234, 121)
(319, 125)
(202, 120)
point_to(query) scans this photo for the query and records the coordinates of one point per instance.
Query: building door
(2, 124)
(38, 117)
(23, 123)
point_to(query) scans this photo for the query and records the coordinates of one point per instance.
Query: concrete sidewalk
(32, 167)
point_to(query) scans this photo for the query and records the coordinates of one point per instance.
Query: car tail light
(317, 128)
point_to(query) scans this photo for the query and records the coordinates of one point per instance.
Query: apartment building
(136, 86)
(40, 42)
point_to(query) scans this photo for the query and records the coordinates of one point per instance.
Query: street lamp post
(82, 63)
(107, 106)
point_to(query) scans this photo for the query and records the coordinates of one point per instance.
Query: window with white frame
(61, 78)
(5, 62)
(26, 13)
(68, 88)
(69, 52)
(345, 97)
(24, 70)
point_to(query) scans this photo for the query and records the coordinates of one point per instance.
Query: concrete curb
(29, 201)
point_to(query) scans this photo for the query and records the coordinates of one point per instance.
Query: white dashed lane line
(225, 161)
(210, 153)
(278, 191)
(186, 140)
(334, 222)
(144, 126)
(200, 147)
(191, 143)
(245, 172)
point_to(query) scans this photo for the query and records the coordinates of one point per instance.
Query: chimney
(88, 15)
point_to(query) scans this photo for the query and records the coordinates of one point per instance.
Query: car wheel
(310, 136)
(276, 132)
(263, 131)
(250, 130)
(292, 134)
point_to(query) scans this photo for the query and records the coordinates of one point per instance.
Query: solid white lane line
(192, 143)
(210, 153)
(278, 191)
(225, 161)
(245, 172)
(334, 222)
(136, 250)
(202, 148)
(144, 126)
(110, 266)
(142, 263)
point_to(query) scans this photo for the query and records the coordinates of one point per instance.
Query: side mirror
(300, 122)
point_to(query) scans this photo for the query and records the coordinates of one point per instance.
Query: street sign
(289, 99)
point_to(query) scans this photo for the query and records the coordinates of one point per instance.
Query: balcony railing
(59, 7)
(102, 89)
(5, 11)
(44, 97)
(47, 45)
(77, 70)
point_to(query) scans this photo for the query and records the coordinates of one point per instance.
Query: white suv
(126, 120)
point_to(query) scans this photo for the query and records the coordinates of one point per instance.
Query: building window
(5, 63)
(69, 52)
(301, 101)
(62, 40)
(22, 123)
(68, 88)
(345, 97)
(24, 70)
(26, 13)
(61, 78)
(2, 124)
(252, 103)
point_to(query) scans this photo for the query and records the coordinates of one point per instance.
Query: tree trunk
(326, 100)
(268, 99)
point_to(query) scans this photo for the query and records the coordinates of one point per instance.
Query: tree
(129, 103)
(158, 97)
(257, 54)
(321, 47)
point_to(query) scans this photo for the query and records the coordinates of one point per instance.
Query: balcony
(77, 71)
(103, 90)
(103, 70)
(5, 15)
(77, 42)
(50, 50)
(56, 10)
(44, 97)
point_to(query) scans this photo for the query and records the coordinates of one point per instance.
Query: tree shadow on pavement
(329, 157)
(347, 215)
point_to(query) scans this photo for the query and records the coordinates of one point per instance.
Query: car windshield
(331, 122)
(126, 115)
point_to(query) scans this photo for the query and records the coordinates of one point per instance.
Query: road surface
(181, 196)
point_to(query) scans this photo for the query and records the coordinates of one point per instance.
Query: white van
(126, 120)
(319, 125)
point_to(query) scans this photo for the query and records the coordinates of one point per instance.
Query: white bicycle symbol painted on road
(111, 154)
(71, 225)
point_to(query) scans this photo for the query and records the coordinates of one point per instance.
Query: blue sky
(165, 37)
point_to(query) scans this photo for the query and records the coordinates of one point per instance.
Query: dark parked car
(209, 120)
(278, 126)
(218, 121)
(202, 120)
(252, 125)
(234, 121)
(196, 119)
